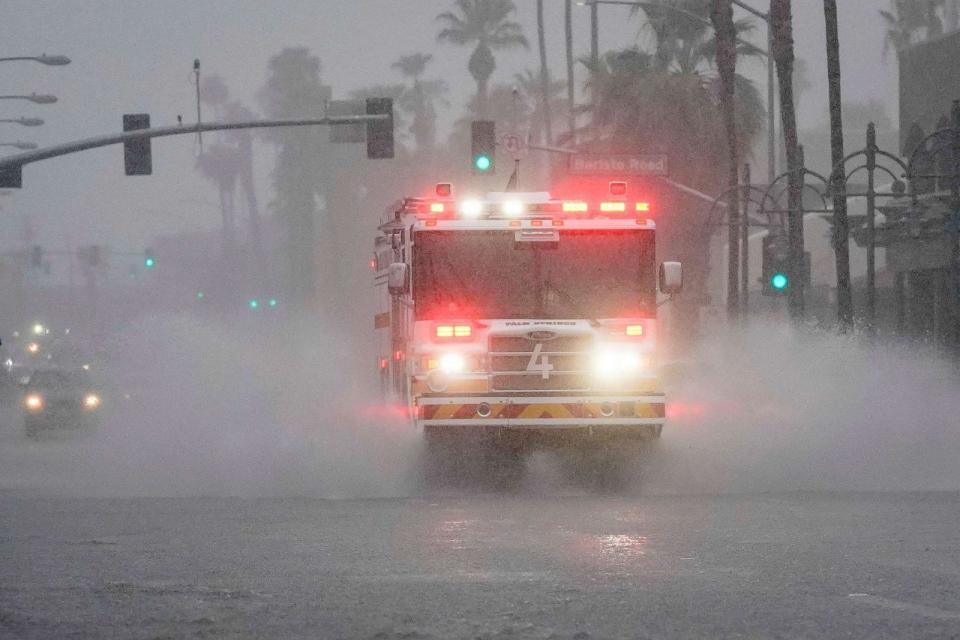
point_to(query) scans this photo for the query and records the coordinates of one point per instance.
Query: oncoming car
(60, 400)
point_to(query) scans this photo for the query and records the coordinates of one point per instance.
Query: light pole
(36, 98)
(23, 146)
(52, 61)
(771, 121)
(27, 122)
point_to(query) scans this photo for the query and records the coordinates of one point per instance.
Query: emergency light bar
(515, 209)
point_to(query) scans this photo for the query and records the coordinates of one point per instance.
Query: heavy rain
(480, 319)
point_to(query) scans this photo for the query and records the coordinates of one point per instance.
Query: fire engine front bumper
(641, 413)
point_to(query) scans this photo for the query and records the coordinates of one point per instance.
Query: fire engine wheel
(471, 459)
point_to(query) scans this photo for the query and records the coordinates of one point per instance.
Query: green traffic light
(779, 281)
(273, 302)
(201, 295)
(149, 262)
(254, 304)
(482, 163)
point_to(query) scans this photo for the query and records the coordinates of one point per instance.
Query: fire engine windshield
(492, 274)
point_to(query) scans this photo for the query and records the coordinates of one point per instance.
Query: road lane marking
(897, 605)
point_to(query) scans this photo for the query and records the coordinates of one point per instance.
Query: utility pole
(841, 226)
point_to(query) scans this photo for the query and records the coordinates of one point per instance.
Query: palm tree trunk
(721, 15)
(544, 75)
(841, 227)
(571, 98)
(782, 24)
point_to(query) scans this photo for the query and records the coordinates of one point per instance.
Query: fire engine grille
(521, 363)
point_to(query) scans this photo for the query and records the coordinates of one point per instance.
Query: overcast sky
(136, 56)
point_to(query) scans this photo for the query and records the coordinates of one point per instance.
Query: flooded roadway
(482, 566)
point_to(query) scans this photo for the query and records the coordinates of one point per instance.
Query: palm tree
(544, 74)
(721, 15)
(420, 98)
(540, 111)
(293, 88)
(568, 40)
(486, 23)
(781, 20)
(682, 37)
(841, 227)
(909, 21)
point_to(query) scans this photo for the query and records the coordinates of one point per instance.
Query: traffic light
(380, 132)
(11, 177)
(777, 276)
(775, 268)
(253, 303)
(149, 261)
(483, 145)
(137, 160)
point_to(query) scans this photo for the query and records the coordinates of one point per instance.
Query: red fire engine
(530, 319)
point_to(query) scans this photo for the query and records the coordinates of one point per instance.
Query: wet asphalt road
(795, 565)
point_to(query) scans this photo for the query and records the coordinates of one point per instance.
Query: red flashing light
(373, 263)
(618, 188)
(453, 331)
(444, 189)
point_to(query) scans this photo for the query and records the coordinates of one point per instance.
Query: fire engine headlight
(611, 363)
(91, 401)
(452, 363)
(33, 402)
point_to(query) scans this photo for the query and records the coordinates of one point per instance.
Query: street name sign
(627, 165)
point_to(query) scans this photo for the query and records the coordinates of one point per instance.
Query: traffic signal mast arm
(20, 159)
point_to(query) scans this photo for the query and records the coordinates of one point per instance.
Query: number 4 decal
(540, 362)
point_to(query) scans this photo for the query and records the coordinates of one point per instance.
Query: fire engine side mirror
(398, 278)
(671, 278)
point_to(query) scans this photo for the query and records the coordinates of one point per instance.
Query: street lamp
(27, 122)
(23, 146)
(36, 98)
(771, 121)
(52, 61)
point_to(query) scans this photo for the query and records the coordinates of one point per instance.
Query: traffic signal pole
(13, 163)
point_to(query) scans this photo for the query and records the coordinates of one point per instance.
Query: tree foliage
(486, 23)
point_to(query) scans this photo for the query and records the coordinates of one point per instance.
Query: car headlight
(91, 401)
(33, 402)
